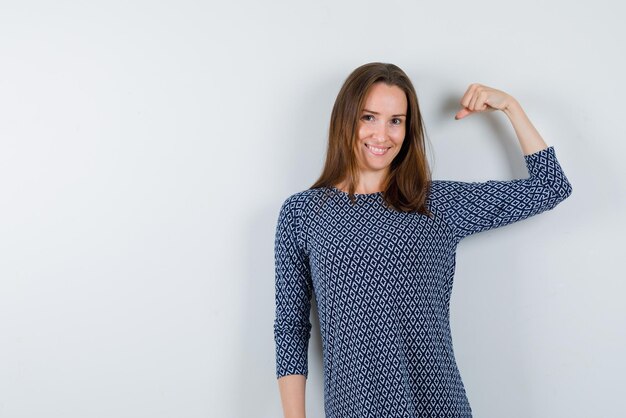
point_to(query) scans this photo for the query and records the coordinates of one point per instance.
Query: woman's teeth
(375, 150)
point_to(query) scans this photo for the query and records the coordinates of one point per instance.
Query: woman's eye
(396, 121)
(368, 118)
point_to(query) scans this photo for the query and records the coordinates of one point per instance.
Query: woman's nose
(380, 132)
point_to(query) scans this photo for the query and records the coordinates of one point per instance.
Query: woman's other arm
(292, 394)
(292, 325)
(479, 98)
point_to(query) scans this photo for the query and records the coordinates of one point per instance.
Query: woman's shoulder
(303, 198)
(443, 192)
(306, 194)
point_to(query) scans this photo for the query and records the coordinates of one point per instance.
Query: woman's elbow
(559, 192)
(564, 190)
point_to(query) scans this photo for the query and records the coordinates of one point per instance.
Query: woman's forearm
(292, 393)
(529, 138)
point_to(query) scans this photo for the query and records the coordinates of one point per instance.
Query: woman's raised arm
(472, 207)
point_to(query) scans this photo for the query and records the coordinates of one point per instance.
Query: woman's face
(381, 127)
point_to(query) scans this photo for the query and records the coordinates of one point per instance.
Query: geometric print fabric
(383, 281)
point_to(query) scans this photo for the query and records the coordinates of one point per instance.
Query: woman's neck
(367, 183)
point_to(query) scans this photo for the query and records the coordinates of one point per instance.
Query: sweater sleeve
(471, 207)
(292, 326)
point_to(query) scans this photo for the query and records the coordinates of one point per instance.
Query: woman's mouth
(377, 150)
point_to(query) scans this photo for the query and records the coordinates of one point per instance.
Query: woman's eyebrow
(376, 113)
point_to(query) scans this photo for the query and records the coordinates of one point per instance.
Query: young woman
(375, 238)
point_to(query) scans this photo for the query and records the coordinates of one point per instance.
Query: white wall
(146, 147)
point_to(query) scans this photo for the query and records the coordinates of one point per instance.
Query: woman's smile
(377, 150)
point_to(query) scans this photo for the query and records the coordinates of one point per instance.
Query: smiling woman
(375, 239)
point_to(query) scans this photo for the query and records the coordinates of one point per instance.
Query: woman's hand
(479, 98)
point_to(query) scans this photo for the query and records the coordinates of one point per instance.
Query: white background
(146, 148)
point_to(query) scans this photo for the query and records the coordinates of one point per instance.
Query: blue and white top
(382, 281)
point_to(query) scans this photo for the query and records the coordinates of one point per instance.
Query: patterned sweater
(382, 281)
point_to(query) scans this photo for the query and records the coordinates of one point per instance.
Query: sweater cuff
(292, 346)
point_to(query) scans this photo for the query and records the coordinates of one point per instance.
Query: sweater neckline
(375, 194)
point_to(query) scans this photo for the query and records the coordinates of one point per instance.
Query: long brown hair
(408, 181)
